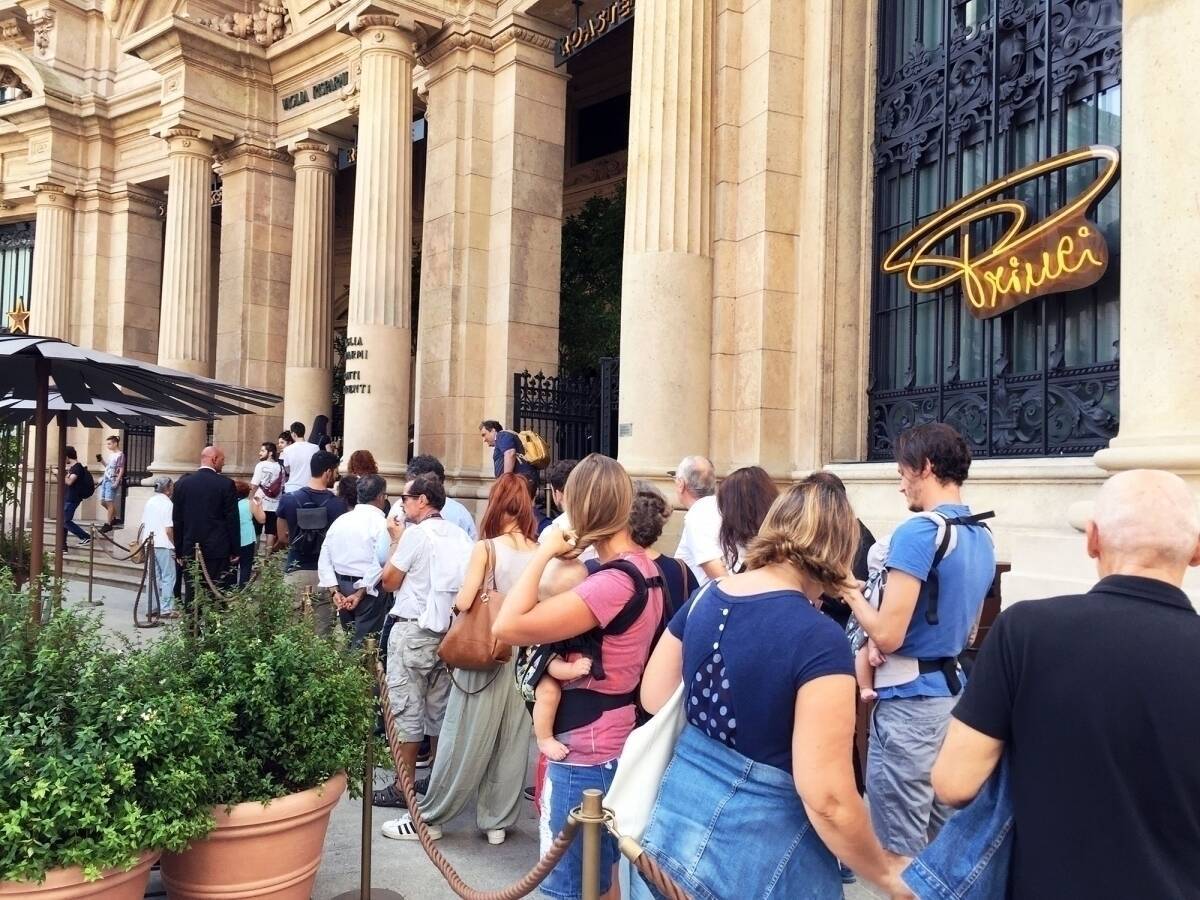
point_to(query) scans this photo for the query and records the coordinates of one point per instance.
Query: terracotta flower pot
(269, 851)
(69, 884)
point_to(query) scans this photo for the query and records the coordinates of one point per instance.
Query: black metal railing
(574, 414)
(968, 91)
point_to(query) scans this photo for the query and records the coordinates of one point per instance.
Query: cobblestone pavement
(399, 866)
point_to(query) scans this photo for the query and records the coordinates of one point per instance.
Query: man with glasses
(426, 568)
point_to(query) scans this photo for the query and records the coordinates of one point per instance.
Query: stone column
(1160, 408)
(185, 316)
(667, 289)
(308, 382)
(378, 383)
(50, 304)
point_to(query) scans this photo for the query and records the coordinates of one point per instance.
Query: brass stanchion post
(591, 817)
(365, 891)
(91, 563)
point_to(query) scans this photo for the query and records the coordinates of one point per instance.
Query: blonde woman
(594, 717)
(769, 700)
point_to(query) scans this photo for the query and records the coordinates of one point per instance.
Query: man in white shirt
(426, 570)
(700, 543)
(453, 512)
(157, 521)
(295, 459)
(352, 556)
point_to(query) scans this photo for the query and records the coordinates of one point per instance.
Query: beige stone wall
(491, 236)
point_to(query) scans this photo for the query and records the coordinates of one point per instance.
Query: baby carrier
(902, 669)
(580, 706)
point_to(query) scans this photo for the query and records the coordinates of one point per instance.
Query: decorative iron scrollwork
(984, 94)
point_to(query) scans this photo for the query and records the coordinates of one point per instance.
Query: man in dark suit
(205, 515)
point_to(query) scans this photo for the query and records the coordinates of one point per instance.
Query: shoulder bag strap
(489, 574)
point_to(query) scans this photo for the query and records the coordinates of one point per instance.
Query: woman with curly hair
(769, 699)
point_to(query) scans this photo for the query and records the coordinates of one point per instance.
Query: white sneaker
(496, 836)
(403, 829)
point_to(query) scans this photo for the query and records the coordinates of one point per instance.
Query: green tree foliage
(590, 304)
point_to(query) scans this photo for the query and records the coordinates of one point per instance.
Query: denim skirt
(727, 828)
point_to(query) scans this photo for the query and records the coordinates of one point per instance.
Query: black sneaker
(84, 541)
(105, 528)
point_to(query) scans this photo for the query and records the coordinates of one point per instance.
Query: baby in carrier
(548, 667)
(543, 670)
(866, 655)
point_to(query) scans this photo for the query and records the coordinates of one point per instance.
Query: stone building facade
(221, 186)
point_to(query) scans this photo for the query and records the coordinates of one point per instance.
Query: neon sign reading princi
(1062, 252)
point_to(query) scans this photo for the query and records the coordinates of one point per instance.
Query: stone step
(106, 570)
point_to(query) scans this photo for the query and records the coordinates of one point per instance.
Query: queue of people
(748, 621)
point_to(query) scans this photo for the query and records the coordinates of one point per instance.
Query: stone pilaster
(492, 235)
(50, 304)
(185, 315)
(308, 382)
(667, 289)
(252, 297)
(378, 384)
(1160, 407)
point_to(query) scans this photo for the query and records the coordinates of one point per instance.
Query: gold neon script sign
(1062, 252)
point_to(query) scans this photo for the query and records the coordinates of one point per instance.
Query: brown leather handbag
(469, 643)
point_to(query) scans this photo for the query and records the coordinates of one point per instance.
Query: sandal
(389, 796)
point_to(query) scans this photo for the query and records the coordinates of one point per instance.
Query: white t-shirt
(701, 539)
(563, 523)
(453, 512)
(433, 556)
(265, 472)
(296, 457)
(156, 519)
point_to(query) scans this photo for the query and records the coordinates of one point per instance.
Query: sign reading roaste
(608, 18)
(1062, 252)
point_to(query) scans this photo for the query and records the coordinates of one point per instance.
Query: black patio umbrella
(82, 377)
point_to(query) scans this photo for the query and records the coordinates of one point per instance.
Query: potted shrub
(101, 765)
(298, 709)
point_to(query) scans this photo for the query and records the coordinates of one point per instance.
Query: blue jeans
(69, 507)
(725, 826)
(164, 577)
(970, 858)
(561, 793)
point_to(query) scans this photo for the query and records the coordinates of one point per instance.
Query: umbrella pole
(38, 518)
(60, 533)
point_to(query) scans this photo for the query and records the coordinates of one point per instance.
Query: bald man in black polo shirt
(1095, 700)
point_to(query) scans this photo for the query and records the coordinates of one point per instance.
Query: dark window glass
(602, 128)
(16, 268)
(969, 91)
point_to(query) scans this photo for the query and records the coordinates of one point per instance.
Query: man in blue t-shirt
(913, 710)
(506, 450)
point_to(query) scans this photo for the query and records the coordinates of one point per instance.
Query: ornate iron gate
(968, 91)
(575, 414)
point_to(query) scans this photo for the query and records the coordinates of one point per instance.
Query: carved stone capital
(182, 139)
(50, 193)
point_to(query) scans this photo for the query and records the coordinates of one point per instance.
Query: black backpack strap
(633, 610)
(975, 520)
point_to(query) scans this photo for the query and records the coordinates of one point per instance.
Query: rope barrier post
(368, 822)
(365, 891)
(591, 817)
(91, 564)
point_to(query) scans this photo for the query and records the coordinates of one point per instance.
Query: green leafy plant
(590, 284)
(297, 706)
(101, 756)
